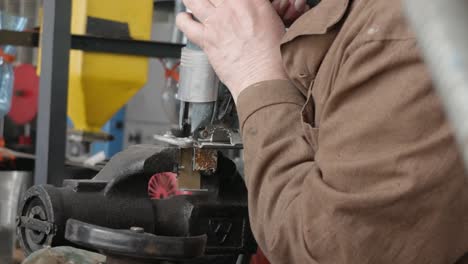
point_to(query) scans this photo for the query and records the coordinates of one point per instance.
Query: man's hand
(290, 10)
(240, 37)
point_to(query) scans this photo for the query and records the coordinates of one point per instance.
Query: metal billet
(205, 160)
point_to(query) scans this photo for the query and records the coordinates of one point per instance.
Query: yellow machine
(100, 84)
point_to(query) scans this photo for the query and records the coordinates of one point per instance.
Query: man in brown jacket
(348, 155)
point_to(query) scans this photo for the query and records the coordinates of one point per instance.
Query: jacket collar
(318, 20)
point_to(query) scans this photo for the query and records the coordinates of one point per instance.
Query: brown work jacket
(352, 160)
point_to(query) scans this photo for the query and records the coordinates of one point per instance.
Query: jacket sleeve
(385, 184)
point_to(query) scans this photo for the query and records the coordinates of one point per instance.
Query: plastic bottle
(7, 56)
(6, 86)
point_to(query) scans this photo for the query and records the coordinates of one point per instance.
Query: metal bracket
(214, 137)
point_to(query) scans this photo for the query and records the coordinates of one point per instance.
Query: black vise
(113, 214)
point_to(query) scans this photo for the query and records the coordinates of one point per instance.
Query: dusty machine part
(440, 27)
(117, 199)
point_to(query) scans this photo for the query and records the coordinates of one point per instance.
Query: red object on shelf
(164, 185)
(6, 156)
(25, 140)
(7, 57)
(25, 94)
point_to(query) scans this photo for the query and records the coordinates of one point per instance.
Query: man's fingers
(191, 28)
(201, 9)
(281, 6)
(295, 10)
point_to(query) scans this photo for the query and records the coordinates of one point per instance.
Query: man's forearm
(274, 149)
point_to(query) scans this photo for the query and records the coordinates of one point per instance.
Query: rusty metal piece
(205, 160)
(194, 161)
(188, 178)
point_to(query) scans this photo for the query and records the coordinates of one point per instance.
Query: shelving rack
(55, 49)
